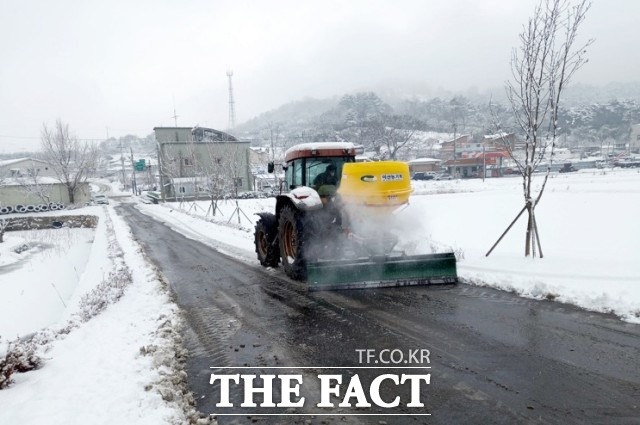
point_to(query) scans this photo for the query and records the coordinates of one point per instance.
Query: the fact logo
(330, 385)
(363, 386)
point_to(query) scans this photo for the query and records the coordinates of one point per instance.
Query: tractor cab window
(318, 167)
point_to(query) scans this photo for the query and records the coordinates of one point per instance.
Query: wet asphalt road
(494, 357)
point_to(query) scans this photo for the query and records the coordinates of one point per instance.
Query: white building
(194, 159)
(25, 167)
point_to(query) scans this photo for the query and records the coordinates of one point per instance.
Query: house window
(237, 181)
(187, 162)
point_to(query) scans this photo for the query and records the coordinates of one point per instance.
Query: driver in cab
(328, 177)
(325, 183)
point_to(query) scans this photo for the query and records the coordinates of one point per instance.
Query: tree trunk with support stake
(529, 247)
(541, 67)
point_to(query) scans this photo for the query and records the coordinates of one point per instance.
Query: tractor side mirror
(270, 167)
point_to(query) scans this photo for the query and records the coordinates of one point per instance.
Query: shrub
(20, 357)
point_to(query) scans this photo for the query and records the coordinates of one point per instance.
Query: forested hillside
(589, 116)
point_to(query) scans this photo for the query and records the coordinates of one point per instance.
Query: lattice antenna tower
(232, 110)
(175, 115)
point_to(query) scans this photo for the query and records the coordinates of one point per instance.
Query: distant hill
(584, 94)
(302, 110)
(589, 115)
(300, 113)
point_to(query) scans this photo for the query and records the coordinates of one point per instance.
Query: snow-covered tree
(542, 67)
(71, 159)
(32, 184)
(393, 133)
(361, 113)
(3, 227)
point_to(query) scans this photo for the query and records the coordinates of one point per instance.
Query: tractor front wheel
(291, 233)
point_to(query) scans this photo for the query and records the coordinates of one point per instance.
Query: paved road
(494, 357)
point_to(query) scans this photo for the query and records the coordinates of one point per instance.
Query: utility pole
(124, 184)
(484, 162)
(455, 165)
(134, 186)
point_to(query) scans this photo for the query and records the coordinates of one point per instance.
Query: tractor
(333, 220)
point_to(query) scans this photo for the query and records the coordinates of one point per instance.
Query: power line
(18, 137)
(4, 136)
(39, 138)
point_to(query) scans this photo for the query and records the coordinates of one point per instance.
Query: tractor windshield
(319, 170)
(313, 172)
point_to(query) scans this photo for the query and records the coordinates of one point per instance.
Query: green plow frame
(382, 271)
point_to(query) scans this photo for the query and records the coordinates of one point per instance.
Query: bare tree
(213, 178)
(169, 168)
(275, 141)
(71, 159)
(4, 223)
(394, 132)
(234, 166)
(360, 111)
(32, 184)
(541, 69)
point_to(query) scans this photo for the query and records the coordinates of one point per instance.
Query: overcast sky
(119, 67)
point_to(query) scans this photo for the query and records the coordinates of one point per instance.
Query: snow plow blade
(382, 271)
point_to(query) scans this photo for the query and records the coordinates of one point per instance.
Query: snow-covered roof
(12, 181)
(318, 146)
(188, 180)
(6, 162)
(496, 136)
(424, 161)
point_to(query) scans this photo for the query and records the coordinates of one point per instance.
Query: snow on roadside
(125, 365)
(588, 222)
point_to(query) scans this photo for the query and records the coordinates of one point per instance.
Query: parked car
(443, 176)
(422, 176)
(567, 168)
(99, 199)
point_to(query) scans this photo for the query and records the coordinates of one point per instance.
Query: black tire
(265, 234)
(291, 235)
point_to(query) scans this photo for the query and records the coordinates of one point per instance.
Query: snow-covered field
(587, 221)
(97, 372)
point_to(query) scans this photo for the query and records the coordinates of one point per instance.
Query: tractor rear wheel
(291, 233)
(265, 234)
